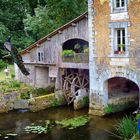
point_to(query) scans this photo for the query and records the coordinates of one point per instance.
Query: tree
(51, 16)
(29, 20)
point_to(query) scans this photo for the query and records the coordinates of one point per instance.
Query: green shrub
(2, 64)
(127, 128)
(68, 53)
(109, 109)
(43, 91)
(86, 100)
(12, 76)
(25, 95)
(14, 84)
(86, 50)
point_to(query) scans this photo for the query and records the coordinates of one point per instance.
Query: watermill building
(95, 55)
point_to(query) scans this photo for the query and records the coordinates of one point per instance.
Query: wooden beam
(49, 39)
(60, 32)
(86, 16)
(38, 45)
(27, 51)
(73, 24)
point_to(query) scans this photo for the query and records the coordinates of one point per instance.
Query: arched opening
(75, 50)
(122, 93)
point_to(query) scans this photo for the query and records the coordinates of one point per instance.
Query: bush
(12, 76)
(43, 91)
(25, 95)
(127, 128)
(14, 84)
(68, 53)
(2, 64)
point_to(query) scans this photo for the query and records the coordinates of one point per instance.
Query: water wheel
(72, 83)
(67, 86)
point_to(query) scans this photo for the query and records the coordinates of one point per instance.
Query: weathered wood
(52, 47)
(72, 84)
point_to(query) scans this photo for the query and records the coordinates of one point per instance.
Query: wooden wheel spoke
(79, 81)
(77, 86)
(72, 83)
(76, 92)
(85, 84)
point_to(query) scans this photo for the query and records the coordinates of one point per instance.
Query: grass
(3, 76)
(127, 128)
(9, 85)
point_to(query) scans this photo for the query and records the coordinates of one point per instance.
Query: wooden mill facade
(95, 55)
(60, 58)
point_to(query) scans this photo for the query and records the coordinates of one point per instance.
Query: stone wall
(47, 101)
(104, 63)
(7, 101)
(14, 102)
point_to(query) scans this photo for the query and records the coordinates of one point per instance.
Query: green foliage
(25, 95)
(43, 91)
(77, 48)
(74, 122)
(126, 128)
(119, 107)
(86, 50)
(2, 64)
(29, 20)
(109, 109)
(38, 128)
(12, 76)
(137, 116)
(122, 47)
(68, 53)
(14, 84)
(86, 100)
(52, 15)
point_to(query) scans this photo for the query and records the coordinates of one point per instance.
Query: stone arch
(116, 72)
(120, 72)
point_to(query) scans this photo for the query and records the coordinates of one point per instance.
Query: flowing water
(96, 129)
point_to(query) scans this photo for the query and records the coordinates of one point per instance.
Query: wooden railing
(77, 58)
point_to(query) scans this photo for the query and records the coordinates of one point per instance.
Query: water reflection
(15, 122)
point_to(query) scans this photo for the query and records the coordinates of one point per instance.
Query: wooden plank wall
(52, 48)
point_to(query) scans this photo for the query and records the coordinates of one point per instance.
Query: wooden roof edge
(54, 33)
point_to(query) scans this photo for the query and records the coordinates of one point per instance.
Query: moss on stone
(44, 102)
(111, 108)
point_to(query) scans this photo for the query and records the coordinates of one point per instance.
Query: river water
(96, 129)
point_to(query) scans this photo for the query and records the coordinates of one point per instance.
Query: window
(120, 41)
(40, 56)
(119, 3)
(119, 37)
(119, 6)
